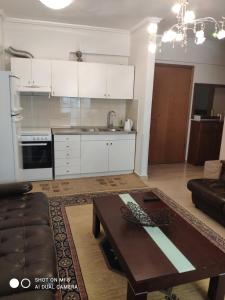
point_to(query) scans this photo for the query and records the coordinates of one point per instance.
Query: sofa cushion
(210, 191)
(26, 252)
(24, 210)
(31, 295)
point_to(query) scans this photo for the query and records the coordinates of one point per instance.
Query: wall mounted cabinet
(106, 81)
(64, 78)
(73, 79)
(34, 74)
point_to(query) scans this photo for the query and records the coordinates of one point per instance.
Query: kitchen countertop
(89, 131)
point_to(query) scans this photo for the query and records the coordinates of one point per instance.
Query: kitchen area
(77, 119)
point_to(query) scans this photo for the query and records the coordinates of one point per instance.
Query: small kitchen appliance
(128, 125)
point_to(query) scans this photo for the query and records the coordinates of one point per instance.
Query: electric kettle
(128, 125)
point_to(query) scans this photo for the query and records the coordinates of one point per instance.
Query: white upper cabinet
(106, 81)
(34, 74)
(64, 78)
(21, 67)
(92, 80)
(120, 82)
(41, 73)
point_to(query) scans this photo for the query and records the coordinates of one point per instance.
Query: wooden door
(120, 82)
(64, 78)
(170, 108)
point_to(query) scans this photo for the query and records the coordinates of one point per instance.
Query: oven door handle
(34, 145)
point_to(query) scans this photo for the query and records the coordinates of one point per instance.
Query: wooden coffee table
(145, 265)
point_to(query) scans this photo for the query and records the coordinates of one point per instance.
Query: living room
(113, 148)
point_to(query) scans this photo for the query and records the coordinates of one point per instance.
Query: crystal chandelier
(188, 25)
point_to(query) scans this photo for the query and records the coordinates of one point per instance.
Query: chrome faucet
(110, 118)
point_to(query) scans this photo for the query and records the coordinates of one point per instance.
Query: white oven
(37, 154)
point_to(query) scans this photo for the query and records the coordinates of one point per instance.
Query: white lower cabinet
(67, 155)
(80, 155)
(121, 155)
(94, 158)
(107, 154)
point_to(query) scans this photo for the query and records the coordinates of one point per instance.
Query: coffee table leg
(95, 225)
(132, 296)
(217, 288)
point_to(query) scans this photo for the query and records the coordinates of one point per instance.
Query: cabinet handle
(33, 81)
(111, 144)
(107, 144)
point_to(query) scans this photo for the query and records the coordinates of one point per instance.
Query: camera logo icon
(25, 283)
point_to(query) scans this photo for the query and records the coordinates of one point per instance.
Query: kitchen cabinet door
(94, 156)
(120, 82)
(21, 67)
(92, 80)
(64, 78)
(41, 73)
(121, 155)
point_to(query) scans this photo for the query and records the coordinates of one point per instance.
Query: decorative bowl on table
(133, 213)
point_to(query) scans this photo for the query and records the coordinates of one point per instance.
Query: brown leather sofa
(209, 195)
(26, 243)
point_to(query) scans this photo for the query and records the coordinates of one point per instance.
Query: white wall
(144, 63)
(55, 41)
(208, 61)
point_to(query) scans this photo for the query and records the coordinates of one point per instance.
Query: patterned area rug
(67, 258)
(55, 188)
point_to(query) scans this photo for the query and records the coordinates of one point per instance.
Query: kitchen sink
(96, 129)
(109, 129)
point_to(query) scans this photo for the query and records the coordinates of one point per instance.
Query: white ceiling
(123, 14)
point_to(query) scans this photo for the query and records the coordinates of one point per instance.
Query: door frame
(191, 95)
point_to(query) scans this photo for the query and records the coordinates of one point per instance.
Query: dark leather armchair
(209, 195)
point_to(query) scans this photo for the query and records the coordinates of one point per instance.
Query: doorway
(170, 112)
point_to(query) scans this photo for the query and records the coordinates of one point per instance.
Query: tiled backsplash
(42, 111)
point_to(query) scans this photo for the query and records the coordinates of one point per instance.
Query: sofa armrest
(13, 189)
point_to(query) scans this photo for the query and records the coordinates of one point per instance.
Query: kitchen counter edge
(71, 131)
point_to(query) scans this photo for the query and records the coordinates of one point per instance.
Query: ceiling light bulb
(56, 4)
(200, 40)
(176, 8)
(200, 34)
(189, 17)
(221, 34)
(169, 36)
(179, 37)
(152, 47)
(152, 28)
